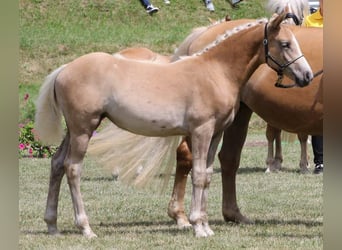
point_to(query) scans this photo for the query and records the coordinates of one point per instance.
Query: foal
(197, 97)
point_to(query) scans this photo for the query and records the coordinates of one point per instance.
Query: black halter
(294, 18)
(281, 67)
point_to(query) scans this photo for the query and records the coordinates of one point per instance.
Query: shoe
(151, 9)
(166, 1)
(318, 169)
(210, 6)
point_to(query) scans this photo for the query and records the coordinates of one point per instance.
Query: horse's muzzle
(305, 80)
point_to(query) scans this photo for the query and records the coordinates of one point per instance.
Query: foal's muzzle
(305, 80)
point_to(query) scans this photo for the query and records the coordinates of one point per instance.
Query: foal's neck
(239, 55)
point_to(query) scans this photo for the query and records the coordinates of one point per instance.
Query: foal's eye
(285, 44)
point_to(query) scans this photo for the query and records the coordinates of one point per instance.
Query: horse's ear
(287, 8)
(276, 20)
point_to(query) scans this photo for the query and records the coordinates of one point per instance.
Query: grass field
(287, 207)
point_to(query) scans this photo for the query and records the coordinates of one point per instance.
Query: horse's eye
(285, 44)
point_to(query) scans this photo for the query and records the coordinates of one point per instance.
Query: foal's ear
(276, 20)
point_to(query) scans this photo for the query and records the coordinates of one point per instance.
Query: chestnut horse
(292, 109)
(204, 35)
(289, 109)
(274, 159)
(196, 97)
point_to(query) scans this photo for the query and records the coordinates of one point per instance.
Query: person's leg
(209, 4)
(148, 6)
(317, 148)
(145, 3)
(234, 3)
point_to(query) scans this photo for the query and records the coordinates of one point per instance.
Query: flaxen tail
(48, 117)
(144, 162)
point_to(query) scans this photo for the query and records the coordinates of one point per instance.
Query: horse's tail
(136, 160)
(48, 126)
(288, 137)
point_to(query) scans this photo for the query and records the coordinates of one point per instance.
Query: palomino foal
(196, 97)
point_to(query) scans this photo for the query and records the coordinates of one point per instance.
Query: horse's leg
(201, 140)
(304, 162)
(270, 150)
(73, 167)
(278, 156)
(56, 176)
(273, 161)
(210, 169)
(184, 164)
(230, 154)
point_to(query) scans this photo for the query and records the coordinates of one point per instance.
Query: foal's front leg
(201, 139)
(210, 169)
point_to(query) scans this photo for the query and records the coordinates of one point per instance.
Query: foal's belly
(150, 119)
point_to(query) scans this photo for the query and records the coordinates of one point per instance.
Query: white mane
(229, 33)
(298, 7)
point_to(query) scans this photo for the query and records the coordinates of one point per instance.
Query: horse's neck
(239, 56)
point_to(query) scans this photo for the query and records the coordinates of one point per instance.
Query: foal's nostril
(308, 76)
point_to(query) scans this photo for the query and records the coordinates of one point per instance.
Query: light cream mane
(298, 7)
(229, 33)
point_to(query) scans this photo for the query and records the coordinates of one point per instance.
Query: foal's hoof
(203, 231)
(201, 234)
(89, 234)
(271, 170)
(208, 230)
(183, 224)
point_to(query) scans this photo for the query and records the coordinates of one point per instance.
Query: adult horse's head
(283, 54)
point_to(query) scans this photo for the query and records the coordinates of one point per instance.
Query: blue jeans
(317, 148)
(145, 3)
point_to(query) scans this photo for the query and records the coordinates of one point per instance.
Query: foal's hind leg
(56, 176)
(73, 168)
(184, 164)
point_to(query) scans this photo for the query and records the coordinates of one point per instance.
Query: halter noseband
(280, 70)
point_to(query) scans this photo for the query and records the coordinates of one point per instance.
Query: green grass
(287, 209)
(54, 32)
(287, 206)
